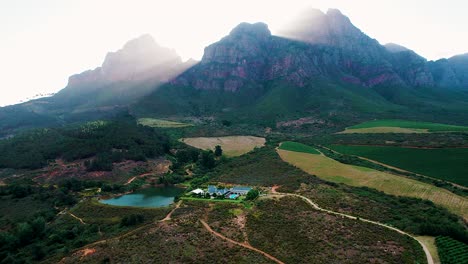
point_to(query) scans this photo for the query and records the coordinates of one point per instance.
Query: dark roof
(214, 189)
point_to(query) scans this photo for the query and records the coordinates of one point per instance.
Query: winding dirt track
(168, 216)
(77, 218)
(316, 207)
(247, 246)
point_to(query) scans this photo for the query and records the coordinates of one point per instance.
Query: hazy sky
(43, 42)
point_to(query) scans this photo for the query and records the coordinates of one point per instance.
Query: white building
(198, 191)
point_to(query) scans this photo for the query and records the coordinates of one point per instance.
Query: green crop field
(331, 170)
(152, 122)
(403, 126)
(298, 147)
(446, 163)
(452, 251)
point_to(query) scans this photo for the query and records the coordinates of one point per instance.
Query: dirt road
(247, 246)
(315, 206)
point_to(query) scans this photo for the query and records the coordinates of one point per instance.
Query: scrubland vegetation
(290, 230)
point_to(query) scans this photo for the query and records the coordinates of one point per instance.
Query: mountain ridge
(325, 57)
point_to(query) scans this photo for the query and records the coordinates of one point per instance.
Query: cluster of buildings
(231, 193)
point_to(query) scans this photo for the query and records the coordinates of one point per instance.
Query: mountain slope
(125, 76)
(328, 69)
(452, 72)
(321, 68)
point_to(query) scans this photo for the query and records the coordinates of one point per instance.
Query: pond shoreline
(149, 197)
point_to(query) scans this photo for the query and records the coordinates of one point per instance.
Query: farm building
(240, 190)
(198, 191)
(214, 190)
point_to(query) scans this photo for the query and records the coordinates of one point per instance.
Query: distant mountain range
(321, 67)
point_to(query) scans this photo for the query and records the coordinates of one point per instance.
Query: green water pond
(148, 197)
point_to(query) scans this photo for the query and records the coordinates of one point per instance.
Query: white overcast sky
(43, 42)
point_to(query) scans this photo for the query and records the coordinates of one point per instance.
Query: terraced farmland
(231, 145)
(402, 126)
(448, 164)
(334, 171)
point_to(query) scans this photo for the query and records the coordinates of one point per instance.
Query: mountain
(452, 72)
(322, 68)
(358, 54)
(319, 68)
(125, 76)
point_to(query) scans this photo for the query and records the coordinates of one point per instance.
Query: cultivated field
(402, 126)
(152, 122)
(334, 171)
(298, 147)
(231, 145)
(445, 163)
(452, 251)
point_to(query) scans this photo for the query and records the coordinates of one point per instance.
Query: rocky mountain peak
(244, 41)
(137, 57)
(258, 30)
(394, 48)
(331, 28)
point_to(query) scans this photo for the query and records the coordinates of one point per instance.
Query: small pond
(148, 197)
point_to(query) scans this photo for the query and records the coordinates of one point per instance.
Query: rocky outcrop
(233, 61)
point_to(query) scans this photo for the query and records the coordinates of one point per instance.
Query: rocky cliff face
(230, 63)
(317, 45)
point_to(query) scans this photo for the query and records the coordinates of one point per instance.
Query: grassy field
(152, 122)
(402, 126)
(211, 200)
(334, 171)
(231, 145)
(448, 164)
(298, 147)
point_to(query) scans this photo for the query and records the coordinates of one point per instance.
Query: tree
(252, 194)
(25, 233)
(207, 159)
(38, 225)
(218, 151)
